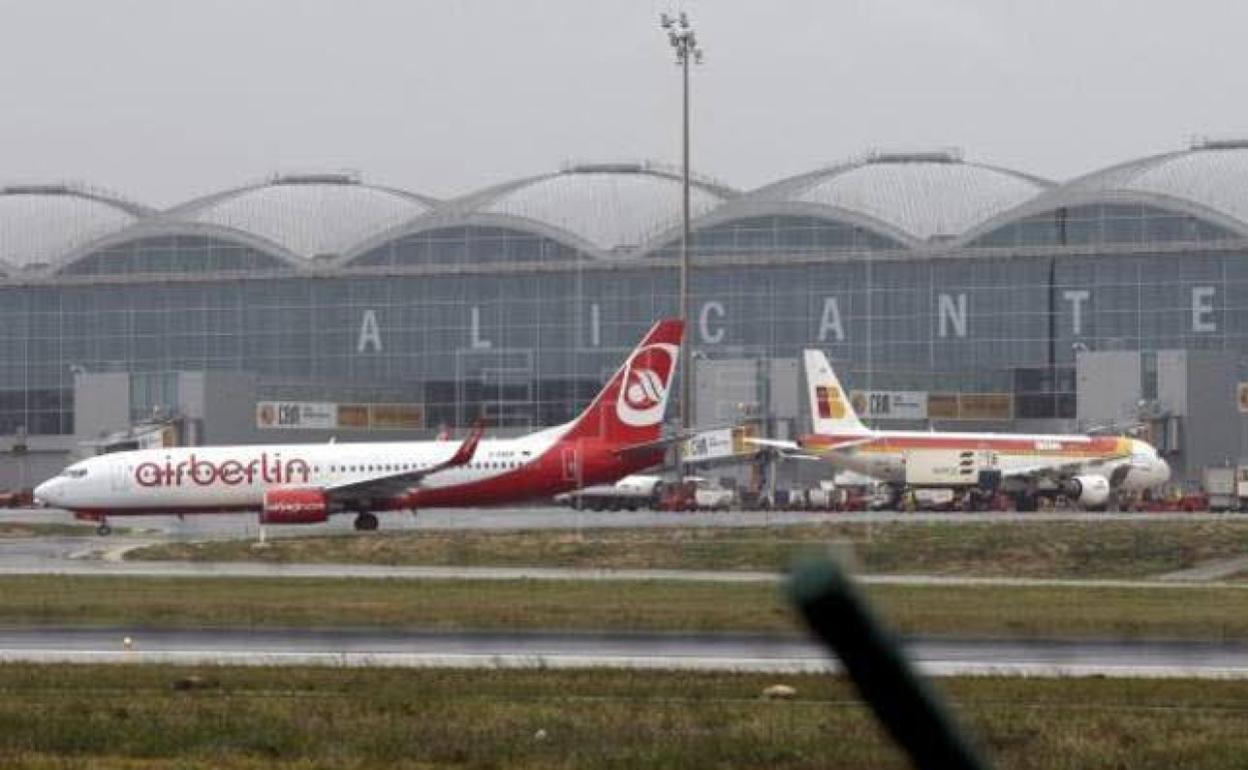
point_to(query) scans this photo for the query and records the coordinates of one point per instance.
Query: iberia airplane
(1086, 468)
(620, 433)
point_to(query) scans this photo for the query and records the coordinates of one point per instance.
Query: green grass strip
(1162, 612)
(143, 718)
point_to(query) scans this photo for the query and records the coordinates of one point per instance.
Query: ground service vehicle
(629, 493)
(1225, 487)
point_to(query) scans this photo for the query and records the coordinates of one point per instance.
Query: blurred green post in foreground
(873, 658)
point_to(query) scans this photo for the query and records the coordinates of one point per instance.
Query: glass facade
(451, 246)
(1103, 225)
(529, 347)
(174, 254)
(781, 234)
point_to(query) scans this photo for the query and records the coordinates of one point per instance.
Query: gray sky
(162, 100)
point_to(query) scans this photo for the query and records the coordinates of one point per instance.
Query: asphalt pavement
(721, 652)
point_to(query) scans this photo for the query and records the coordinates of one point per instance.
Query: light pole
(685, 42)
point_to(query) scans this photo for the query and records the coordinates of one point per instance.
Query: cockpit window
(74, 473)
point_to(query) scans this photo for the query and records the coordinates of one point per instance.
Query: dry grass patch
(15, 529)
(1017, 548)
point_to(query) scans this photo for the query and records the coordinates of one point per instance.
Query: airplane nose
(45, 494)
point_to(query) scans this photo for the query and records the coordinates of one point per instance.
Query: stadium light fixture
(684, 41)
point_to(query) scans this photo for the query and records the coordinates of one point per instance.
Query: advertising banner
(296, 415)
(720, 444)
(309, 415)
(890, 404)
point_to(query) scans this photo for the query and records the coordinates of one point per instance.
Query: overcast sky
(162, 100)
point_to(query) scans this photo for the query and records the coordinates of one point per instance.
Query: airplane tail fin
(630, 409)
(830, 410)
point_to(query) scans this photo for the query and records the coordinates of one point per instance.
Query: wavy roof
(611, 207)
(918, 195)
(40, 223)
(619, 208)
(308, 215)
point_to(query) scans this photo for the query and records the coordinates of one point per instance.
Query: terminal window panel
(888, 322)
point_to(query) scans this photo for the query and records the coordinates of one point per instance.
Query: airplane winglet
(464, 454)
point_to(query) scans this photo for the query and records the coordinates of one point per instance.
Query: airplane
(1087, 469)
(619, 433)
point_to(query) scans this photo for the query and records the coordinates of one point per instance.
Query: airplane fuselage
(885, 454)
(236, 478)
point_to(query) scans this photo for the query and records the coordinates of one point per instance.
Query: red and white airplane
(1089, 469)
(620, 433)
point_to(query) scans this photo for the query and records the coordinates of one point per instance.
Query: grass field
(1083, 549)
(1179, 612)
(241, 719)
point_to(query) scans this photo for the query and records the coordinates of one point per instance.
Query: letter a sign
(370, 334)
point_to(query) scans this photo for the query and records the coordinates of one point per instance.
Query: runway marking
(381, 572)
(577, 661)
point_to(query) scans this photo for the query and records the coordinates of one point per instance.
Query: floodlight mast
(684, 41)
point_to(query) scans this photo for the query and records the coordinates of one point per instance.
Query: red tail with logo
(630, 409)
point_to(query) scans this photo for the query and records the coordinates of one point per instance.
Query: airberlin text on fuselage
(229, 472)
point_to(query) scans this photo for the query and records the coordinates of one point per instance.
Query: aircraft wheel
(366, 522)
(103, 530)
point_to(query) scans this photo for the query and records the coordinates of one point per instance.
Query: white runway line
(572, 661)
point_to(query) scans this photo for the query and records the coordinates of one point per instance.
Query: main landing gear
(101, 521)
(365, 522)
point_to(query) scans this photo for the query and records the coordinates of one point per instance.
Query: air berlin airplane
(1088, 469)
(620, 433)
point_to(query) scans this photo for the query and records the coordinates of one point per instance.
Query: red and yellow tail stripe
(831, 402)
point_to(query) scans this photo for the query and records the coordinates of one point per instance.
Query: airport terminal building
(948, 293)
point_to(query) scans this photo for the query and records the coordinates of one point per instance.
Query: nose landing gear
(366, 522)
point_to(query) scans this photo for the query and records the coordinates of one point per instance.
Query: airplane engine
(1088, 491)
(295, 506)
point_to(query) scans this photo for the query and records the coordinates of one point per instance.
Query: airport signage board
(709, 445)
(395, 416)
(315, 415)
(890, 404)
(719, 444)
(970, 406)
(305, 415)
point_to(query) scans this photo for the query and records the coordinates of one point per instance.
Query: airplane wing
(392, 484)
(788, 449)
(660, 443)
(797, 451)
(1064, 470)
(663, 443)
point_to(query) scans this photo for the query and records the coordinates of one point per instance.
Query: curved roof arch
(311, 215)
(748, 207)
(41, 223)
(613, 208)
(918, 195)
(436, 222)
(1206, 181)
(160, 228)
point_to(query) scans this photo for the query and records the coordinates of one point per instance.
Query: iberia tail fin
(831, 414)
(630, 409)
